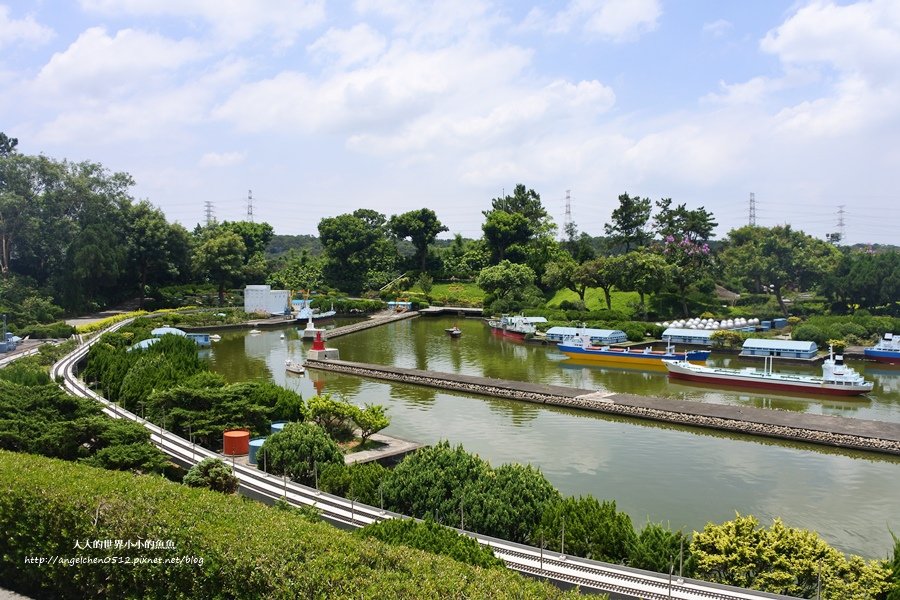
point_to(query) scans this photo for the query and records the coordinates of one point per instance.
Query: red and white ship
(837, 378)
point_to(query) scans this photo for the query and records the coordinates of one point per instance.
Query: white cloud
(433, 22)
(233, 20)
(100, 65)
(401, 86)
(858, 38)
(858, 48)
(717, 28)
(359, 44)
(25, 30)
(222, 159)
(612, 20)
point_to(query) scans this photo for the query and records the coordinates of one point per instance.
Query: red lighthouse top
(318, 343)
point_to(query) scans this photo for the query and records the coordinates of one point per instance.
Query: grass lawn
(467, 294)
(594, 299)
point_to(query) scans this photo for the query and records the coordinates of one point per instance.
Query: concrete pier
(841, 432)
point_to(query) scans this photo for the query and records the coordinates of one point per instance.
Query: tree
(369, 420)
(503, 230)
(213, 474)
(695, 225)
(628, 222)
(644, 273)
(7, 144)
(783, 560)
(333, 416)
(421, 227)
(578, 246)
(513, 225)
(781, 257)
(299, 272)
(148, 249)
(505, 280)
(299, 450)
(256, 236)
(689, 261)
(603, 273)
(566, 273)
(357, 251)
(220, 257)
(866, 279)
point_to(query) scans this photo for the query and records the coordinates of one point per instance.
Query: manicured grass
(466, 294)
(594, 299)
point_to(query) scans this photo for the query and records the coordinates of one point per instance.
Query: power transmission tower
(752, 209)
(250, 205)
(567, 220)
(210, 213)
(840, 222)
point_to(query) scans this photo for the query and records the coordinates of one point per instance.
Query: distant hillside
(282, 244)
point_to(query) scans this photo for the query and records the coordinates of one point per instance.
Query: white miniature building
(263, 299)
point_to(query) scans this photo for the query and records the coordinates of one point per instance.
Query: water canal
(655, 472)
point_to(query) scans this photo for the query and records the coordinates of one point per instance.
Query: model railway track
(594, 575)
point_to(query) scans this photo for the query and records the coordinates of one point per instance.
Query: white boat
(516, 326)
(837, 378)
(255, 331)
(215, 337)
(281, 336)
(293, 366)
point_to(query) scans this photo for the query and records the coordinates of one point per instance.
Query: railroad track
(594, 575)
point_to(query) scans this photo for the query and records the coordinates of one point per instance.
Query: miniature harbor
(840, 432)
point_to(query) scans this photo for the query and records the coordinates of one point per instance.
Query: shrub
(244, 549)
(740, 553)
(809, 333)
(430, 536)
(838, 346)
(212, 474)
(635, 331)
(58, 330)
(298, 450)
(658, 548)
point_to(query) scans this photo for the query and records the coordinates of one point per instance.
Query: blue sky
(324, 107)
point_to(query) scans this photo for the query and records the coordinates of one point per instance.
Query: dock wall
(840, 432)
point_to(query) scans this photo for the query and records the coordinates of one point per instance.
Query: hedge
(247, 549)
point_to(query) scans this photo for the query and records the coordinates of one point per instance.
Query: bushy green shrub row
(57, 330)
(856, 329)
(247, 550)
(38, 417)
(345, 306)
(432, 537)
(104, 323)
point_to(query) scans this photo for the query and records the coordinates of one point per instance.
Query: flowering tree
(690, 262)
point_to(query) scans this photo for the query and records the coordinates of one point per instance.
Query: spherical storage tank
(235, 442)
(255, 445)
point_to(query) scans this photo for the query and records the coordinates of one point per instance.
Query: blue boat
(581, 348)
(887, 350)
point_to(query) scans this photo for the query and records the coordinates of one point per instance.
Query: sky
(322, 107)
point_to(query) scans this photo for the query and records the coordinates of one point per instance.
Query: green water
(681, 476)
